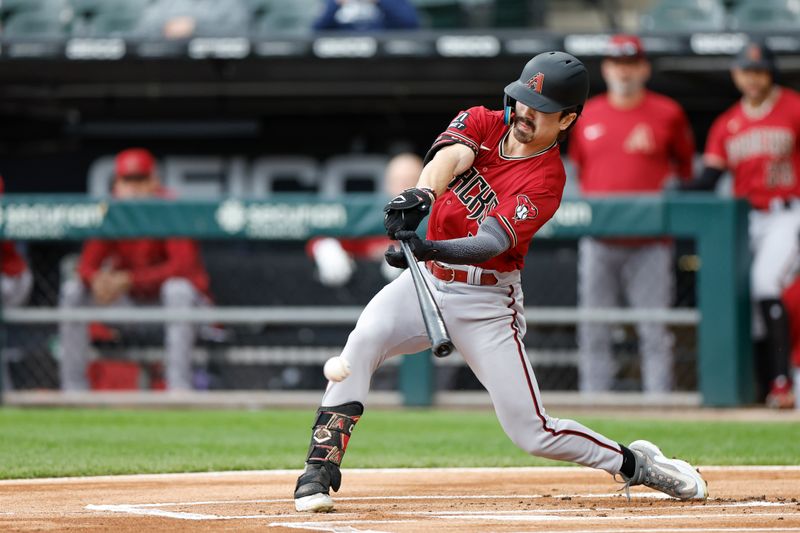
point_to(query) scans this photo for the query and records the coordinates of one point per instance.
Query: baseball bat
(441, 345)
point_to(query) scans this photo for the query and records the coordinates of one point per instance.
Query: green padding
(291, 217)
(718, 225)
(417, 375)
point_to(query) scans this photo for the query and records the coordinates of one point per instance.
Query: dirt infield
(401, 500)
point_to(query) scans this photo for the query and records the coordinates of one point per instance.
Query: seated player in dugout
(758, 140)
(15, 276)
(121, 273)
(490, 181)
(333, 258)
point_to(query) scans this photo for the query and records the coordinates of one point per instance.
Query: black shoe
(312, 492)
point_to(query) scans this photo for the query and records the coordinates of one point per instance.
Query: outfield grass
(72, 442)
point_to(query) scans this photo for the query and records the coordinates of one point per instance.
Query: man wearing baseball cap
(758, 141)
(630, 140)
(134, 271)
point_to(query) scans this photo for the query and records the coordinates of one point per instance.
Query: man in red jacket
(15, 278)
(630, 140)
(134, 271)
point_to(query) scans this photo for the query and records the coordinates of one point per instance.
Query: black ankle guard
(332, 430)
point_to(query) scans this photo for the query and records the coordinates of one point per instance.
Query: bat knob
(443, 350)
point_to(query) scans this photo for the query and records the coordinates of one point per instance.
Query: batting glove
(406, 210)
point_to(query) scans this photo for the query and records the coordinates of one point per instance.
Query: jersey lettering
(780, 174)
(756, 142)
(475, 193)
(460, 122)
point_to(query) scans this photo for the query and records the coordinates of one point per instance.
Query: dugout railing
(717, 226)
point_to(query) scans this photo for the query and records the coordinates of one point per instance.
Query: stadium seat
(441, 13)
(766, 15)
(685, 15)
(287, 17)
(20, 6)
(34, 25)
(35, 18)
(509, 13)
(208, 18)
(107, 18)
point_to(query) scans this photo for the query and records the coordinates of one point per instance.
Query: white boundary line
(541, 515)
(367, 471)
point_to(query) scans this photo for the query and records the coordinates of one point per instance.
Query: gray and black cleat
(671, 476)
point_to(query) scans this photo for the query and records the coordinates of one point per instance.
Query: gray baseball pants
(74, 353)
(486, 324)
(608, 276)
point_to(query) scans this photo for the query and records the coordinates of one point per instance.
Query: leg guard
(331, 433)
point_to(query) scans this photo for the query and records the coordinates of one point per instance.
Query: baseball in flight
(336, 369)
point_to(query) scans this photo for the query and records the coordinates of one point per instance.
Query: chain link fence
(271, 355)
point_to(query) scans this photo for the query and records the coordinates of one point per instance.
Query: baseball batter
(758, 140)
(490, 181)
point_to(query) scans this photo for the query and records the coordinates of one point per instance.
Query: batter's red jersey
(631, 150)
(522, 193)
(762, 152)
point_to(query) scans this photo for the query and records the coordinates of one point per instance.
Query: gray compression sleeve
(490, 242)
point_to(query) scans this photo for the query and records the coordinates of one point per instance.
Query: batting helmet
(550, 82)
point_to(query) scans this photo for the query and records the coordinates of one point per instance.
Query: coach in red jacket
(135, 271)
(629, 140)
(15, 278)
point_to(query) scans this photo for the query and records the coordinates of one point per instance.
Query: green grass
(72, 442)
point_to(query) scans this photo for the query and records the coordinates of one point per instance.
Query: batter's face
(754, 85)
(532, 126)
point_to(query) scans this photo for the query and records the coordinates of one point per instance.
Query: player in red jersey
(16, 280)
(629, 140)
(131, 271)
(493, 178)
(758, 141)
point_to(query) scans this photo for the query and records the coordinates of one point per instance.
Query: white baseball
(336, 368)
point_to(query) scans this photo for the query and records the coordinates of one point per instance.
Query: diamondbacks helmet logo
(525, 209)
(535, 83)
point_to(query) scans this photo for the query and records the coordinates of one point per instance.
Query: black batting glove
(423, 249)
(406, 210)
(395, 258)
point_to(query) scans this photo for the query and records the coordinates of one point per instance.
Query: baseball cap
(622, 46)
(134, 162)
(755, 55)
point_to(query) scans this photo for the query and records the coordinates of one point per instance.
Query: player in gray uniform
(490, 181)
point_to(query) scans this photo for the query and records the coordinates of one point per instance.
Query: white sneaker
(671, 476)
(315, 503)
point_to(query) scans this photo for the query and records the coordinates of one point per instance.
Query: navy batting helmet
(550, 82)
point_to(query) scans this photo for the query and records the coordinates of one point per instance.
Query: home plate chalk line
(658, 514)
